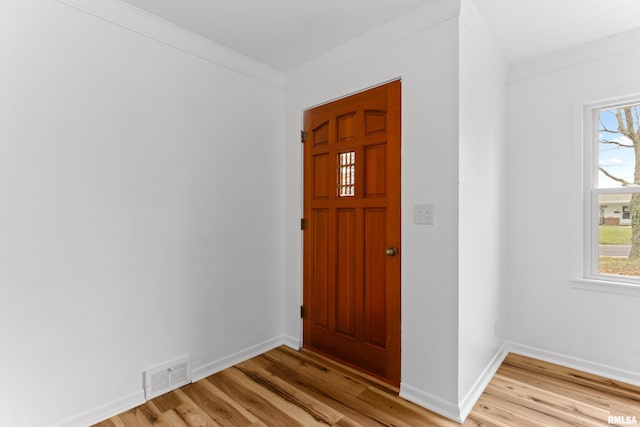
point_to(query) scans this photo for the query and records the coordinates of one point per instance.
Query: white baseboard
(102, 412)
(235, 358)
(292, 342)
(459, 412)
(595, 368)
(472, 396)
(431, 402)
(456, 411)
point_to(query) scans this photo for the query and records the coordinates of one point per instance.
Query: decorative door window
(347, 174)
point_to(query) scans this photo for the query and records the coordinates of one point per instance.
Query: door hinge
(303, 224)
(303, 312)
(303, 136)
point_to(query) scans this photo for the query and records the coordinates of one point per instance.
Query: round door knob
(392, 251)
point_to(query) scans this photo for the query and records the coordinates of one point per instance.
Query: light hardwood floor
(287, 388)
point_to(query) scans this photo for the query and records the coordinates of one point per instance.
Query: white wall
(138, 176)
(137, 181)
(422, 50)
(482, 215)
(544, 175)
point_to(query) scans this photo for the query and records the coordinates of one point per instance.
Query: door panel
(320, 289)
(352, 204)
(374, 283)
(376, 171)
(346, 281)
(346, 127)
(321, 176)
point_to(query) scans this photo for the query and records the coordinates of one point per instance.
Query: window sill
(606, 286)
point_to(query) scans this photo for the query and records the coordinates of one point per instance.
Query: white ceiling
(287, 33)
(526, 29)
(279, 33)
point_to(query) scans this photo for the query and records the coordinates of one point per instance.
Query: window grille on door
(346, 174)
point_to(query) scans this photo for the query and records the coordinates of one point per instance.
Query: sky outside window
(614, 158)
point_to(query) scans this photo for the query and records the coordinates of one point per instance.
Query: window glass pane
(618, 244)
(347, 174)
(618, 138)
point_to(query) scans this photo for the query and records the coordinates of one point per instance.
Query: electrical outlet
(423, 214)
(497, 328)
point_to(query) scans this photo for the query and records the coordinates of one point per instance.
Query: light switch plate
(423, 214)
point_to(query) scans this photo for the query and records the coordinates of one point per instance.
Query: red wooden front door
(352, 239)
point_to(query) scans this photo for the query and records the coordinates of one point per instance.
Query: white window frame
(592, 278)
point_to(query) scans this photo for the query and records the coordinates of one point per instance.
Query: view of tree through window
(618, 190)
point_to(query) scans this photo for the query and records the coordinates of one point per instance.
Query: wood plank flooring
(529, 392)
(287, 388)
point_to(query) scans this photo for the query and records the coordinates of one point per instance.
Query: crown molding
(131, 18)
(471, 19)
(434, 13)
(606, 48)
